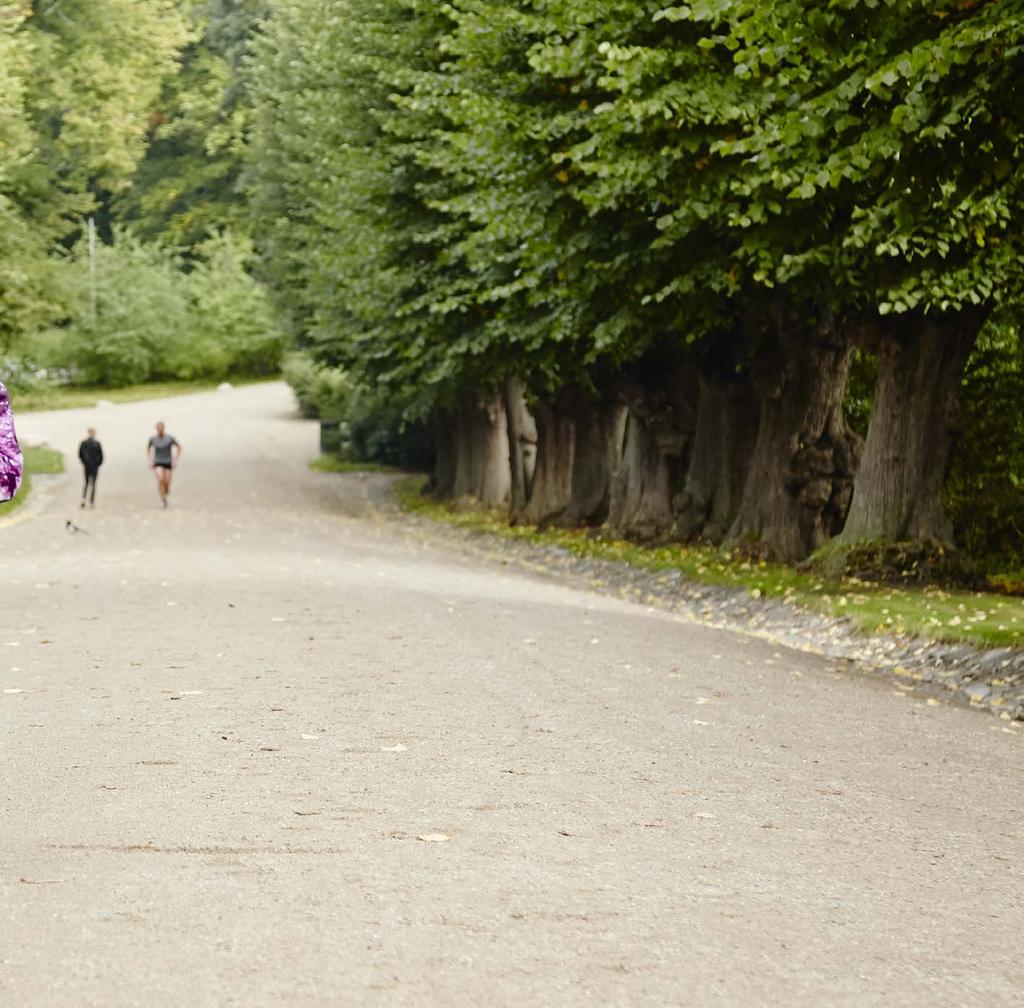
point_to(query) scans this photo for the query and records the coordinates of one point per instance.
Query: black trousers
(89, 489)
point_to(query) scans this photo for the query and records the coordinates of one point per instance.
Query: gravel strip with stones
(992, 680)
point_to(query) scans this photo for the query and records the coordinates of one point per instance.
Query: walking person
(163, 452)
(11, 462)
(90, 454)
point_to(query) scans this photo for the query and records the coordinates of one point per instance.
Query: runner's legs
(163, 482)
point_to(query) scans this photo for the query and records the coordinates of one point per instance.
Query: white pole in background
(92, 267)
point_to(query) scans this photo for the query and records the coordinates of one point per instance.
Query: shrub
(156, 317)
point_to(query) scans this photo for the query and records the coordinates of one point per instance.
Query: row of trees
(660, 233)
(130, 112)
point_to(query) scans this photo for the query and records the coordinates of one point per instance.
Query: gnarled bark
(722, 442)
(804, 458)
(659, 432)
(522, 444)
(597, 452)
(641, 497)
(482, 472)
(552, 473)
(897, 496)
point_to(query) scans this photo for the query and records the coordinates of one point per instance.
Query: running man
(162, 453)
(90, 454)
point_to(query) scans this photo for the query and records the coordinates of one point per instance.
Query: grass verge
(333, 464)
(979, 618)
(56, 397)
(37, 461)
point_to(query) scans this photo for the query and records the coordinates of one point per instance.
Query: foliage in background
(371, 428)
(153, 320)
(188, 184)
(129, 111)
(985, 488)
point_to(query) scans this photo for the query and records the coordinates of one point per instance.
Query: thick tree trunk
(552, 474)
(442, 480)
(641, 494)
(482, 472)
(597, 452)
(522, 444)
(897, 495)
(659, 432)
(722, 442)
(804, 458)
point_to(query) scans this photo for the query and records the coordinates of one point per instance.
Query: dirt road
(264, 749)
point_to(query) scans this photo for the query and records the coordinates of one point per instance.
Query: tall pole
(92, 267)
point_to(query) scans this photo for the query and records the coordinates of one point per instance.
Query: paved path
(226, 730)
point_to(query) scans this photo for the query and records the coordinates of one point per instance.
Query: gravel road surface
(272, 748)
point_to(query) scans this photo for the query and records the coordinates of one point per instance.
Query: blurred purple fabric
(11, 462)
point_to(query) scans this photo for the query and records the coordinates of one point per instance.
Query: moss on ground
(979, 618)
(37, 461)
(333, 464)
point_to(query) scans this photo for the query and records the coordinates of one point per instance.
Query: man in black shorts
(90, 454)
(162, 453)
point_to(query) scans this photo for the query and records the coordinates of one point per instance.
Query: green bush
(233, 328)
(158, 318)
(373, 428)
(985, 488)
(322, 392)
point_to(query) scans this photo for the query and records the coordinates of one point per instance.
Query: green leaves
(448, 195)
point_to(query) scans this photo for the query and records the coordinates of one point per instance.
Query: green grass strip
(930, 613)
(37, 460)
(333, 464)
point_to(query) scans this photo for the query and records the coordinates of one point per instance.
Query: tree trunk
(552, 474)
(597, 452)
(641, 495)
(722, 442)
(804, 458)
(482, 472)
(897, 495)
(522, 444)
(659, 432)
(442, 480)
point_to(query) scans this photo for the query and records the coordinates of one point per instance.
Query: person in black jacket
(90, 452)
